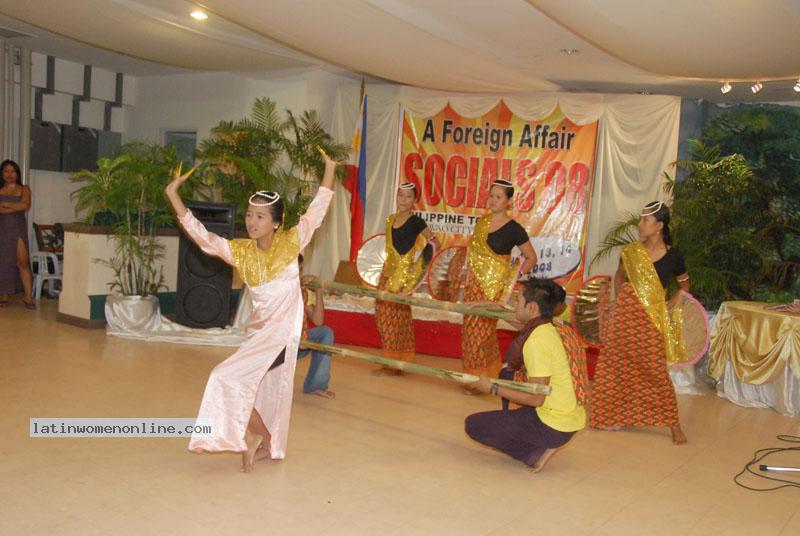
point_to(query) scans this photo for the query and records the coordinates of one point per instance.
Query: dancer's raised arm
(312, 219)
(210, 243)
(330, 171)
(171, 190)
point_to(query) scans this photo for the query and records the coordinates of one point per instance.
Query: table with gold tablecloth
(755, 356)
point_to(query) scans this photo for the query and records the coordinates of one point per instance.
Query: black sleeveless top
(671, 264)
(404, 237)
(503, 240)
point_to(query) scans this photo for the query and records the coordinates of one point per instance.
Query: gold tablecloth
(758, 343)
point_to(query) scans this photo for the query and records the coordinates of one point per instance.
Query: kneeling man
(533, 432)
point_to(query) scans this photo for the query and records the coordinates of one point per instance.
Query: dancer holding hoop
(489, 277)
(631, 384)
(247, 400)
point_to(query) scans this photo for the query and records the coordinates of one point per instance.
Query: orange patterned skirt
(631, 383)
(480, 351)
(396, 328)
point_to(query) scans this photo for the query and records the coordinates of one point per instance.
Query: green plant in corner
(720, 218)
(130, 189)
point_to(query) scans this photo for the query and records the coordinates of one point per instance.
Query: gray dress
(13, 227)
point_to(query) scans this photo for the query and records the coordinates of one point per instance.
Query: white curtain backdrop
(637, 142)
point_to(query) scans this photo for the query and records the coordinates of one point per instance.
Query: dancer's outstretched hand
(178, 179)
(327, 159)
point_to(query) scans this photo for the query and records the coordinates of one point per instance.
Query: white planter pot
(131, 314)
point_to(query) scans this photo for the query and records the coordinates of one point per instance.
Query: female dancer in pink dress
(248, 404)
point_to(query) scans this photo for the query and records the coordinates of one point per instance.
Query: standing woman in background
(401, 273)
(489, 275)
(15, 201)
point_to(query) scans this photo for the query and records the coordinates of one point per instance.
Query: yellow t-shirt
(545, 356)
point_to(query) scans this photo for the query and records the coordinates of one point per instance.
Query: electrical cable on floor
(759, 456)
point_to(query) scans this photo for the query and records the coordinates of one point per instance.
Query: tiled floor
(387, 456)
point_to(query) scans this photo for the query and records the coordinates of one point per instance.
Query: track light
(755, 88)
(726, 88)
(198, 15)
(797, 86)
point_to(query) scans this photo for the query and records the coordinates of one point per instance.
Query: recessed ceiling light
(198, 15)
(570, 51)
(644, 92)
(726, 88)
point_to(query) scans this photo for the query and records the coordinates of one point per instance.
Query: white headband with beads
(271, 197)
(503, 183)
(408, 186)
(649, 211)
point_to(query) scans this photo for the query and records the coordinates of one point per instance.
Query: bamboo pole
(532, 388)
(464, 309)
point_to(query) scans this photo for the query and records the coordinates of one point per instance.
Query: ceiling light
(198, 15)
(755, 88)
(726, 88)
(797, 86)
(570, 51)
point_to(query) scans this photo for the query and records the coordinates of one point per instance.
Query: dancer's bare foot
(678, 437)
(262, 453)
(386, 371)
(253, 442)
(542, 461)
(324, 393)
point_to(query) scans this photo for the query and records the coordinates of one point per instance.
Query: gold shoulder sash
(493, 272)
(643, 276)
(256, 266)
(403, 272)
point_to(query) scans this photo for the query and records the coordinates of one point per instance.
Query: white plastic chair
(45, 265)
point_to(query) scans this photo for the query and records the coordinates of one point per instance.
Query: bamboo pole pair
(461, 377)
(333, 287)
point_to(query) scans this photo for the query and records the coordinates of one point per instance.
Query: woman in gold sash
(248, 399)
(489, 278)
(406, 237)
(631, 384)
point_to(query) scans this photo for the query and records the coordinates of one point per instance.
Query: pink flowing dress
(243, 381)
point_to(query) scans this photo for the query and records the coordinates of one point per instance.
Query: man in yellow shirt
(533, 432)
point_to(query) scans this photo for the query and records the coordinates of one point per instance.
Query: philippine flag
(355, 180)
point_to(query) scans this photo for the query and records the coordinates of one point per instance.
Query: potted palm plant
(267, 152)
(127, 192)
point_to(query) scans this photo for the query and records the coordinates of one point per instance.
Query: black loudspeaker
(45, 146)
(78, 148)
(204, 282)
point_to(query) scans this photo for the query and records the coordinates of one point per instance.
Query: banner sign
(453, 161)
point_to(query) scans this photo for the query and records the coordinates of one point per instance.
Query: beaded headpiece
(651, 208)
(270, 197)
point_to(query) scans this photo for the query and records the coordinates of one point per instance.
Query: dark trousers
(517, 432)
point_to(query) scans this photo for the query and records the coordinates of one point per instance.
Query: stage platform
(438, 333)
